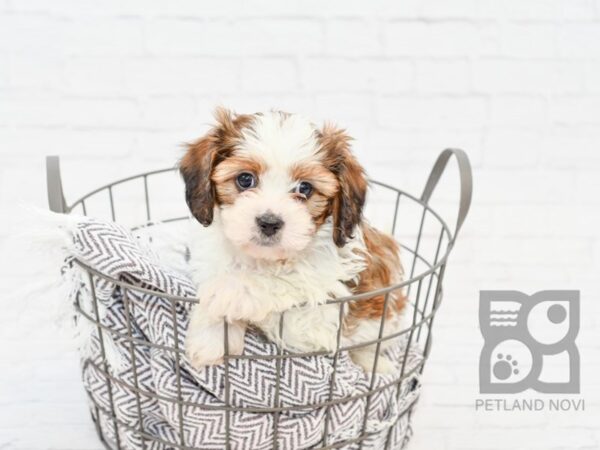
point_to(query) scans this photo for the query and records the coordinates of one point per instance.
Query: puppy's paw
(205, 346)
(365, 358)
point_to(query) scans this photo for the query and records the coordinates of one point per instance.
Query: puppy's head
(275, 178)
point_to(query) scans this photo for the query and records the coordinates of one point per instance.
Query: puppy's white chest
(253, 291)
(305, 329)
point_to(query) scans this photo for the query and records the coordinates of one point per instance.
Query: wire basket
(424, 261)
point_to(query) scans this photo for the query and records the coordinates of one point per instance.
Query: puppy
(282, 200)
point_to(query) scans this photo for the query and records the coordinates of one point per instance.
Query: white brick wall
(115, 87)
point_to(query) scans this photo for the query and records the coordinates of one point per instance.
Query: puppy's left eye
(304, 188)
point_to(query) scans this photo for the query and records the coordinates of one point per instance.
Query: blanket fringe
(48, 240)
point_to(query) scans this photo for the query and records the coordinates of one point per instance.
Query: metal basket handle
(466, 182)
(56, 198)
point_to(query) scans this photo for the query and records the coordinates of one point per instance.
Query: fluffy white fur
(243, 289)
(244, 281)
(281, 142)
(238, 222)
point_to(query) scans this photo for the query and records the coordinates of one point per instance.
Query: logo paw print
(505, 367)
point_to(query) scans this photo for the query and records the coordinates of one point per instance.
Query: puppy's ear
(197, 165)
(348, 203)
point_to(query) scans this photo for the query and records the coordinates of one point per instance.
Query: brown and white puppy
(282, 200)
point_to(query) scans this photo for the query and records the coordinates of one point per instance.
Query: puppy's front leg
(205, 340)
(234, 295)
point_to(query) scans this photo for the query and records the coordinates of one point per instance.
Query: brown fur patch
(318, 208)
(383, 269)
(347, 205)
(325, 186)
(202, 156)
(318, 175)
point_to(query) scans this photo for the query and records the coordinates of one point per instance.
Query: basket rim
(432, 269)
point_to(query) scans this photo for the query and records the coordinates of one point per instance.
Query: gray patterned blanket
(197, 420)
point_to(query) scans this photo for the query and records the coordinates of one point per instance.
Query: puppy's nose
(269, 224)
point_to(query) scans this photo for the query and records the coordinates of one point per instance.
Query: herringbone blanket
(163, 378)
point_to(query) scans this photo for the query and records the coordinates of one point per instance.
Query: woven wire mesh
(424, 251)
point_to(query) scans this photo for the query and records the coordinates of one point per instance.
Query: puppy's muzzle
(269, 224)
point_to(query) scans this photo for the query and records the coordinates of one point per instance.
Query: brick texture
(115, 87)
